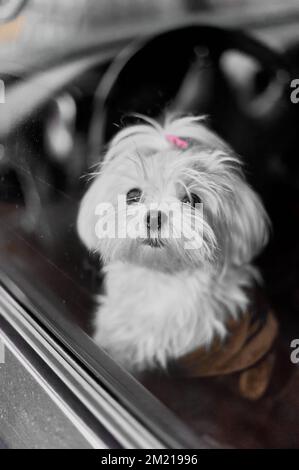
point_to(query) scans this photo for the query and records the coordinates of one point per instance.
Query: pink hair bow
(180, 143)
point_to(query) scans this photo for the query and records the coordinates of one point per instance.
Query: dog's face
(169, 208)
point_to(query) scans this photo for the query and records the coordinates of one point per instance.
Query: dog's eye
(133, 195)
(191, 199)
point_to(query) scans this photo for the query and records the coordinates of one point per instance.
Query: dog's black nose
(155, 220)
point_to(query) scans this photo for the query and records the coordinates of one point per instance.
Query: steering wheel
(239, 83)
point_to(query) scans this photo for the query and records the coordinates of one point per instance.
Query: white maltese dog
(177, 227)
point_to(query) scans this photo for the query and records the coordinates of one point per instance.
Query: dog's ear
(86, 221)
(247, 224)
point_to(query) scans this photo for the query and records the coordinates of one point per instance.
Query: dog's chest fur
(148, 317)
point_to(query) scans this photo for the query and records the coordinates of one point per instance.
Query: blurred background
(71, 72)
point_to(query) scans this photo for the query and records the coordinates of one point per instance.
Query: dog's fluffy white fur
(162, 302)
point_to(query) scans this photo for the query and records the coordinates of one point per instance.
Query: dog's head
(172, 198)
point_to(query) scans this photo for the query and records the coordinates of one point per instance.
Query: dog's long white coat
(162, 302)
